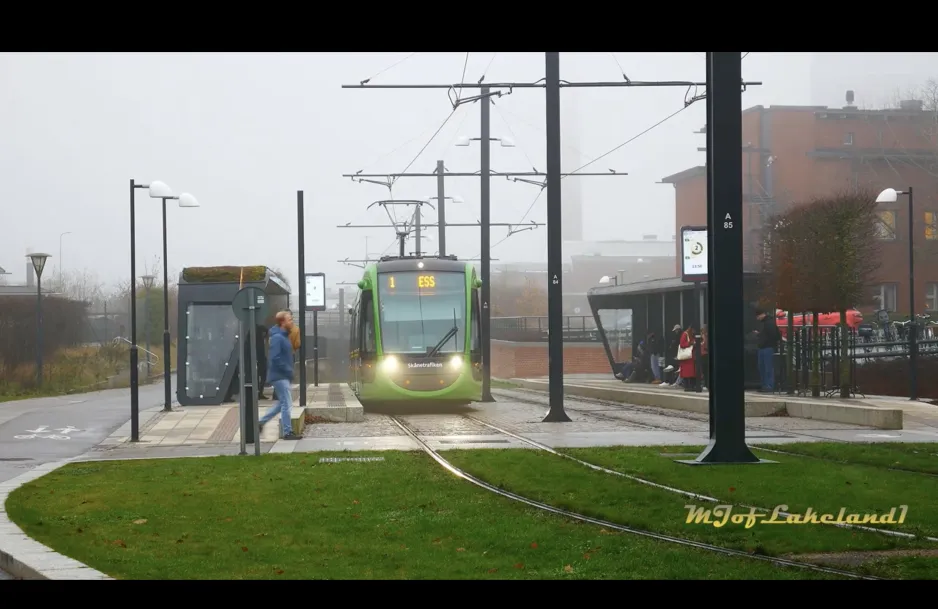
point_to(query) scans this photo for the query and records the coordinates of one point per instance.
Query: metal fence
(864, 350)
(576, 328)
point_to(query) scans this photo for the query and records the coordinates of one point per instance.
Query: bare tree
(820, 258)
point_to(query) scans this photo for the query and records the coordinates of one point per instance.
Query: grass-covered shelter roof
(273, 283)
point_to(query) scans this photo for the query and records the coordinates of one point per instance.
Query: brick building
(794, 153)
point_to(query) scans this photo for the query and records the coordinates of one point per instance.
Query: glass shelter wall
(212, 338)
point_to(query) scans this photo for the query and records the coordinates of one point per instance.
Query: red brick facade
(529, 360)
(794, 153)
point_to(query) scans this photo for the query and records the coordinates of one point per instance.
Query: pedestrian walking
(280, 374)
(705, 356)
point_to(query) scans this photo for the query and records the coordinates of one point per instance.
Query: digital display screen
(409, 281)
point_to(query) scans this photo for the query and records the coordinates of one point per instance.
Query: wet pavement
(594, 423)
(40, 430)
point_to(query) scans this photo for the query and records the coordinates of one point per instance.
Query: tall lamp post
(157, 190)
(485, 248)
(39, 263)
(61, 259)
(147, 284)
(185, 200)
(891, 195)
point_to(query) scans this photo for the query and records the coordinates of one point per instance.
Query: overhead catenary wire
(393, 65)
(462, 78)
(630, 140)
(512, 132)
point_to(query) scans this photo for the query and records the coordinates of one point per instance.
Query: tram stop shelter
(626, 313)
(207, 344)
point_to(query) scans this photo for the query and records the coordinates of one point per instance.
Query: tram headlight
(455, 363)
(390, 364)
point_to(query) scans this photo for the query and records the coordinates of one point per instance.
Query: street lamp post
(157, 190)
(185, 200)
(39, 263)
(61, 259)
(147, 284)
(891, 195)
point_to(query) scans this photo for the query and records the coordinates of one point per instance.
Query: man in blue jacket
(280, 373)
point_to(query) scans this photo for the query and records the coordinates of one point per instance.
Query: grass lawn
(292, 517)
(919, 457)
(798, 482)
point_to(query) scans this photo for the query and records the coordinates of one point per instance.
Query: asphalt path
(40, 430)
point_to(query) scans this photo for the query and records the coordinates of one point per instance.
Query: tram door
(367, 343)
(354, 363)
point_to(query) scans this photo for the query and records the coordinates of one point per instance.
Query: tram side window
(368, 325)
(476, 320)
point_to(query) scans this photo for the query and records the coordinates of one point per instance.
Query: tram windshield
(418, 310)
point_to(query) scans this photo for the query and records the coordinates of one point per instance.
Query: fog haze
(243, 132)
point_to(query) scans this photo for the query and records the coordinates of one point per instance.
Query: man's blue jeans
(767, 368)
(656, 367)
(284, 405)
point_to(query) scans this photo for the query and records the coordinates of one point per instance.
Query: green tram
(415, 332)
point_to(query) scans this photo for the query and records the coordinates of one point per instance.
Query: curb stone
(23, 557)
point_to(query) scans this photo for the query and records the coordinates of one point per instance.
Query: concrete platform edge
(26, 558)
(869, 416)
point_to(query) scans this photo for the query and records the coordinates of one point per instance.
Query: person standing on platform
(768, 337)
(688, 369)
(280, 374)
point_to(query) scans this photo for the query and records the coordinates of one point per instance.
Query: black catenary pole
(316, 348)
(913, 328)
(486, 249)
(554, 242)
(725, 262)
(134, 379)
(301, 263)
(441, 206)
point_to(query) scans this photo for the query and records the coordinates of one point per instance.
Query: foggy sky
(243, 132)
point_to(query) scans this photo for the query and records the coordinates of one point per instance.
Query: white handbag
(685, 353)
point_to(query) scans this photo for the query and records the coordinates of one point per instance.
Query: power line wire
(462, 79)
(489, 65)
(631, 139)
(436, 133)
(393, 65)
(518, 141)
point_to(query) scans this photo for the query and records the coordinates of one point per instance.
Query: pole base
(696, 462)
(725, 453)
(488, 399)
(557, 416)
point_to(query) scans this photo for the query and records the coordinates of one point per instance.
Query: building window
(931, 297)
(848, 139)
(931, 225)
(886, 225)
(885, 297)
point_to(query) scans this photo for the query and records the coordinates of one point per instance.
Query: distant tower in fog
(571, 189)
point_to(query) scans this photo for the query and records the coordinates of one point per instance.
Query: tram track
(703, 419)
(684, 492)
(689, 543)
